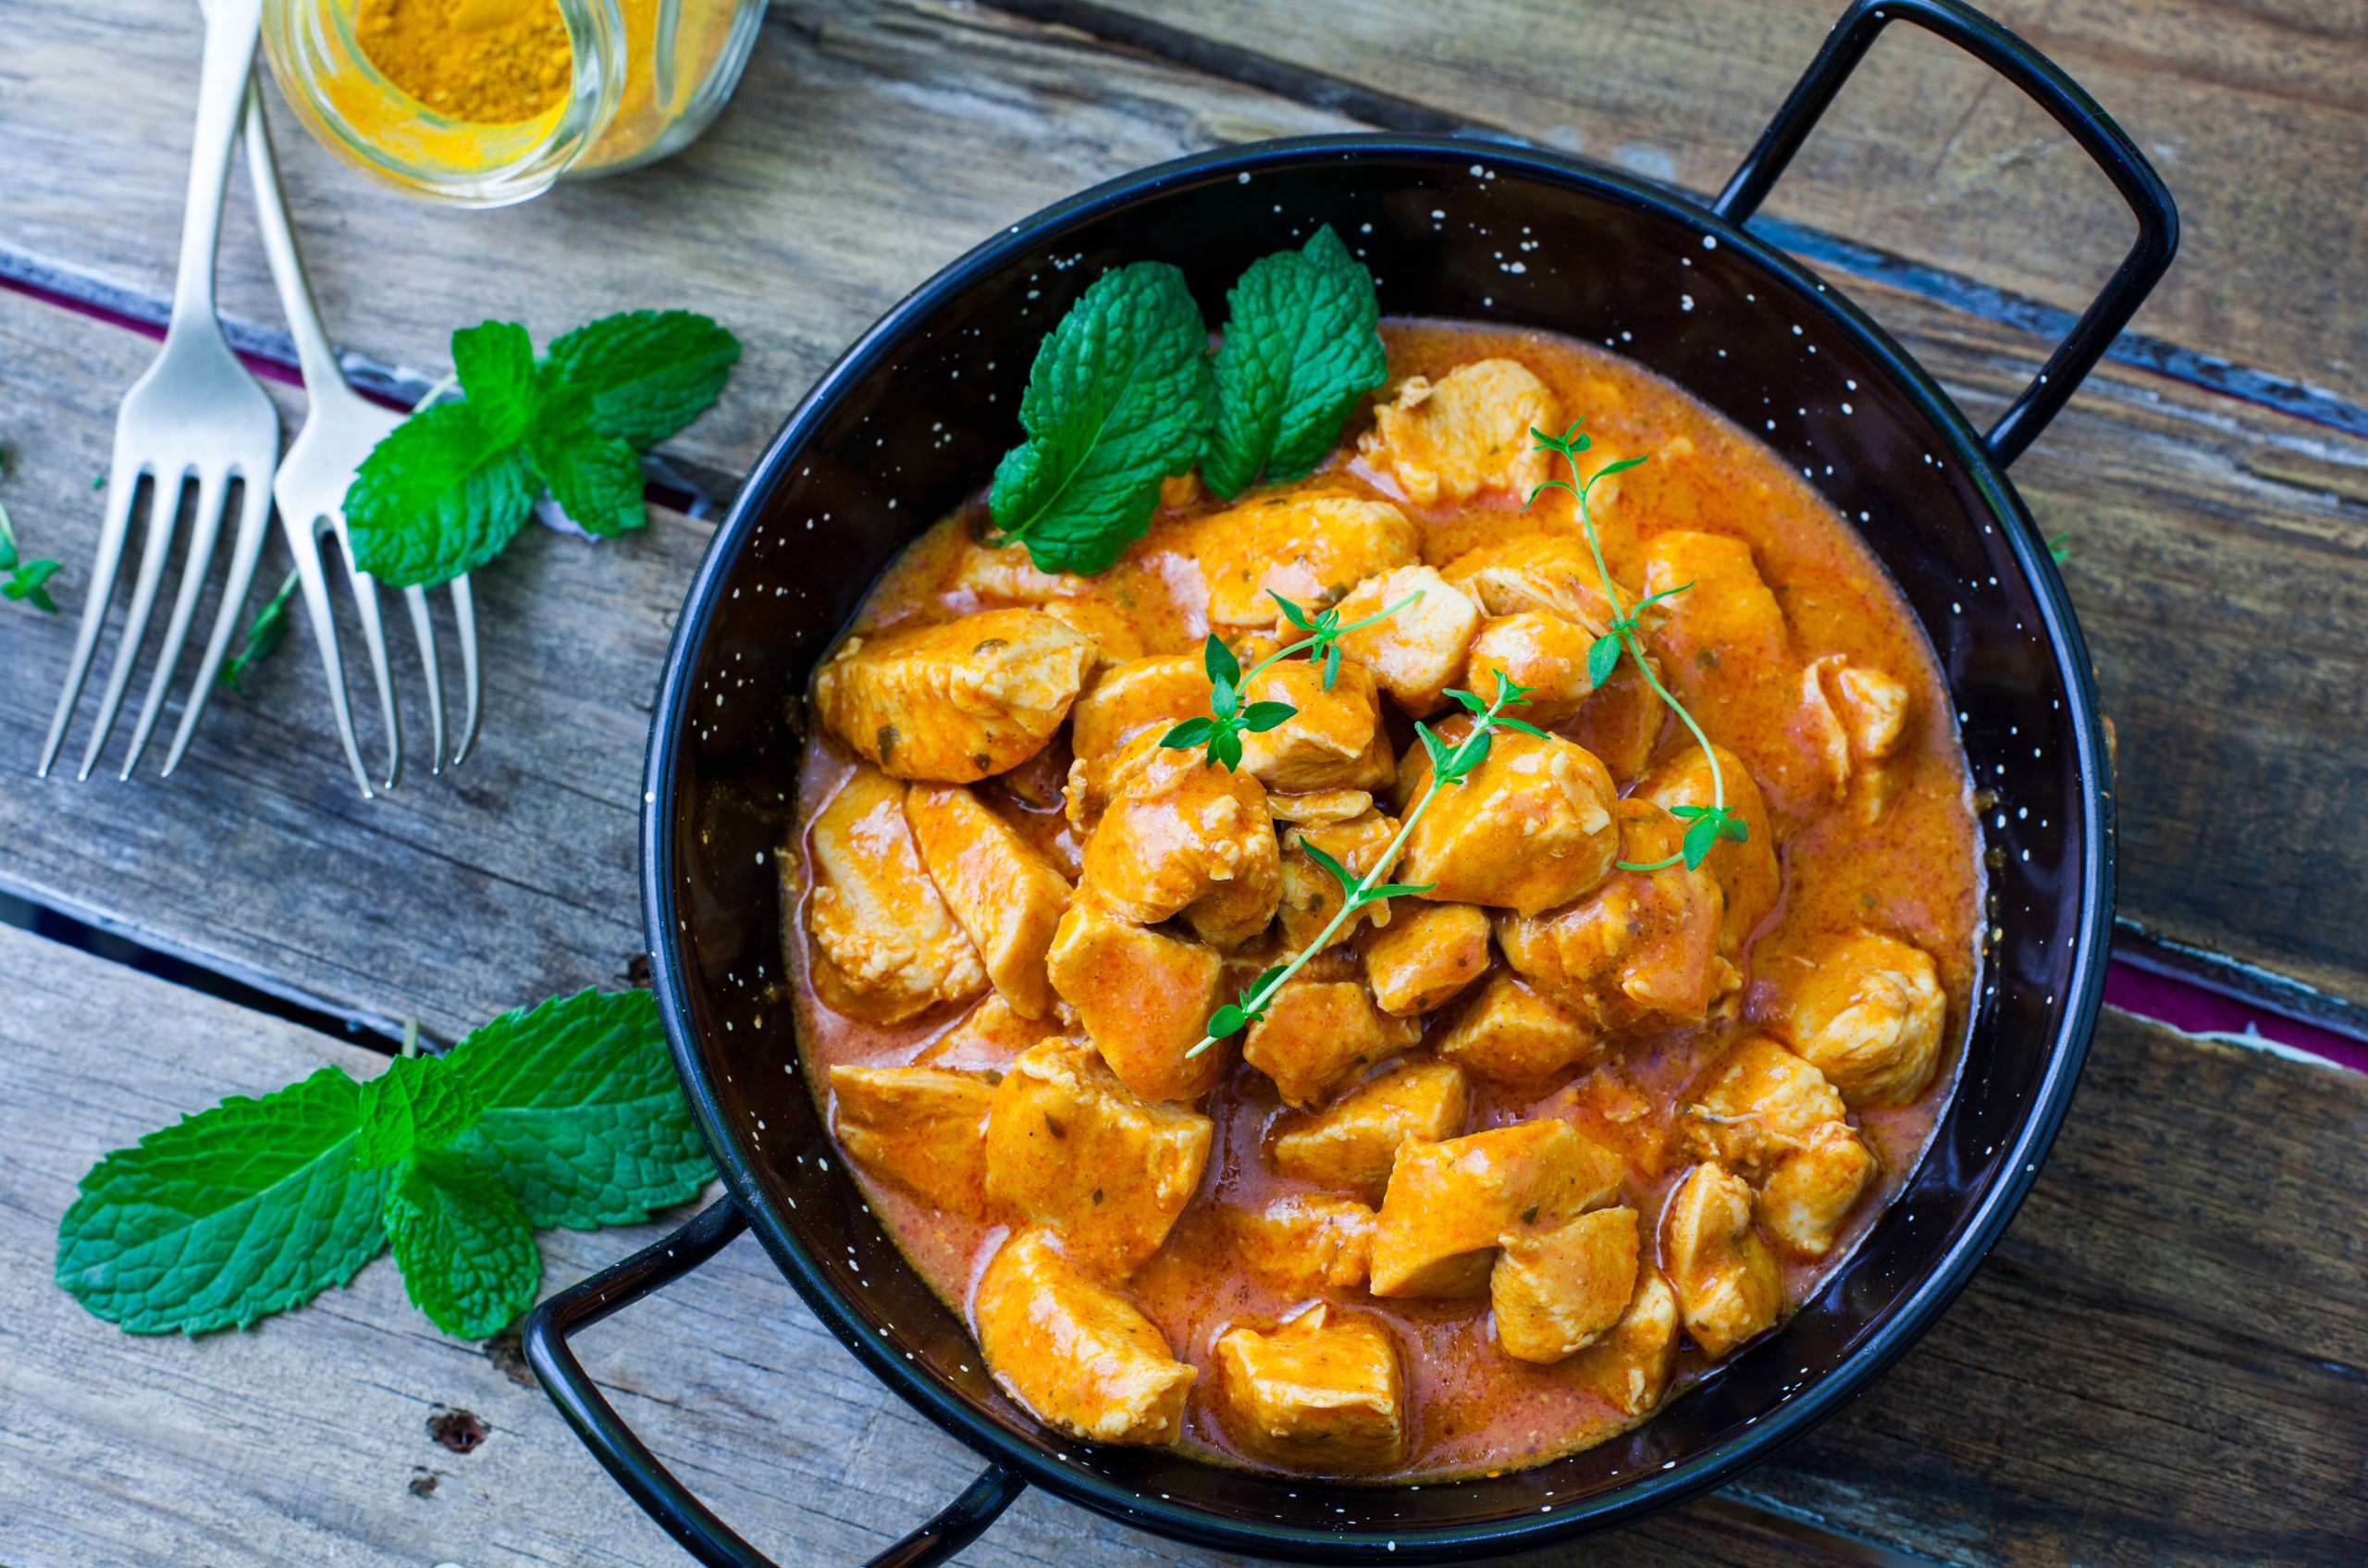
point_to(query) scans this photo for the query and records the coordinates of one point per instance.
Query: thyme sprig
(1452, 763)
(1705, 825)
(1221, 729)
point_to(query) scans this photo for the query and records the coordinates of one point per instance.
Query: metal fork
(340, 430)
(194, 414)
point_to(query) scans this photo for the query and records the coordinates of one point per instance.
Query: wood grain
(2162, 1363)
(2246, 109)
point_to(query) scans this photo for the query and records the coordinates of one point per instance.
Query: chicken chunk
(1303, 1245)
(1334, 741)
(1554, 574)
(1184, 836)
(889, 949)
(1511, 1034)
(1728, 1287)
(1530, 828)
(1425, 955)
(1143, 997)
(1630, 1367)
(1069, 1146)
(1869, 1014)
(1746, 873)
(1319, 808)
(1623, 721)
(922, 1129)
(1467, 431)
(1322, 1393)
(1758, 1105)
(1642, 950)
(1538, 650)
(1452, 1204)
(1559, 1291)
(1311, 548)
(1417, 653)
(954, 702)
(1077, 1354)
(1006, 897)
(1311, 896)
(1318, 1032)
(1855, 719)
(986, 1039)
(1803, 1202)
(1118, 721)
(1353, 1142)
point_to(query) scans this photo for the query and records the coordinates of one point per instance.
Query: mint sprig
(565, 1114)
(1121, 397)
(448, 487)
(1301, 346)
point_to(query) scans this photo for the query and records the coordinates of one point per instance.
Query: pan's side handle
(629, 1461)
(2158, 219)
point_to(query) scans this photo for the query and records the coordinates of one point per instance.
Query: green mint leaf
(640, 376)
(581, 1115)
(495, 362)
(1341, 873)
(1700, 838)
(595, 478)
(1188, 734)
(1219, 662)
(1603, 656)
(1120, 397)
(1260, 717)
(229, 1215)
(1228, 1019)
(416, 1104)
(465, 1249)
(264, 633)
(1301, 348)
(439, 496)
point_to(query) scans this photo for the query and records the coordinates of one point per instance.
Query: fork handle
(324, 377)
(231, 28)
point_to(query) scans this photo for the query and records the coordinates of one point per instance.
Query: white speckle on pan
(1685, 301)
(1243, 179)
(1709, 241)
(1845, 408)
(1437, 216)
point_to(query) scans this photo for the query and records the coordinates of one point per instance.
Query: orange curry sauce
(1914, 871)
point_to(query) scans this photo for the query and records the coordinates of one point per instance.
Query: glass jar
(482, 103)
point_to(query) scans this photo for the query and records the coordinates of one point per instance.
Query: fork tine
(423, 629)
(374, 637)
(156, 543)
(246, 548)
(123, 486)
(205, 525)
(464, 621)
(304, 541)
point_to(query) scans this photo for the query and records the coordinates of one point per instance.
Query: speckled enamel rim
(1886, 1340)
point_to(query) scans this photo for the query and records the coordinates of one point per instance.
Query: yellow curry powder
(489, 62)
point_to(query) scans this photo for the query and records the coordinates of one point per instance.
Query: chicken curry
(1510, 1159)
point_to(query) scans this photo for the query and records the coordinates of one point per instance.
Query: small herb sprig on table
(26, 581)
(566, 1114)
(1705, 825)
(1221, 729)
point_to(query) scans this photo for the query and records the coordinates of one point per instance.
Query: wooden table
(2166, 1360)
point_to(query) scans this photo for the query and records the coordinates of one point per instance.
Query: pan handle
(629, 1462)
(2158, 219)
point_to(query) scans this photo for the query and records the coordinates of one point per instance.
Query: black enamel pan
(891, 438)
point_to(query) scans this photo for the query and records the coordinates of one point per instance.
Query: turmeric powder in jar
(487, 101)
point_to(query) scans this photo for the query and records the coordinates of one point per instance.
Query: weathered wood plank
(2246, 109)
(868, 145)
(2163, 1362)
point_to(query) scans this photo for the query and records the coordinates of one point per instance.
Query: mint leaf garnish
(418, 1104)
(466, 1251)
(582, 1111)
(26, 582)
(229, 1215)
(449, 488)
(1301, 347)
(1119, 398)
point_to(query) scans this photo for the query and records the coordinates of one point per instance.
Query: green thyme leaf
(1341, 873)
(582, 1115)
(1701, 839)
(1219, 662)
(1291, 613)
(1119, 398)
(264, 633)
(1501, 721)
(1226, 1020)
(465, 1249)
(1224, 749)
(28, 583)
(1301, 348)
(1469, 701)
(1603, 656)
(239, 1210)
(1188, 733)
(1260, 717)
(1331, 664)
(1380, 890)
(1433, 747)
